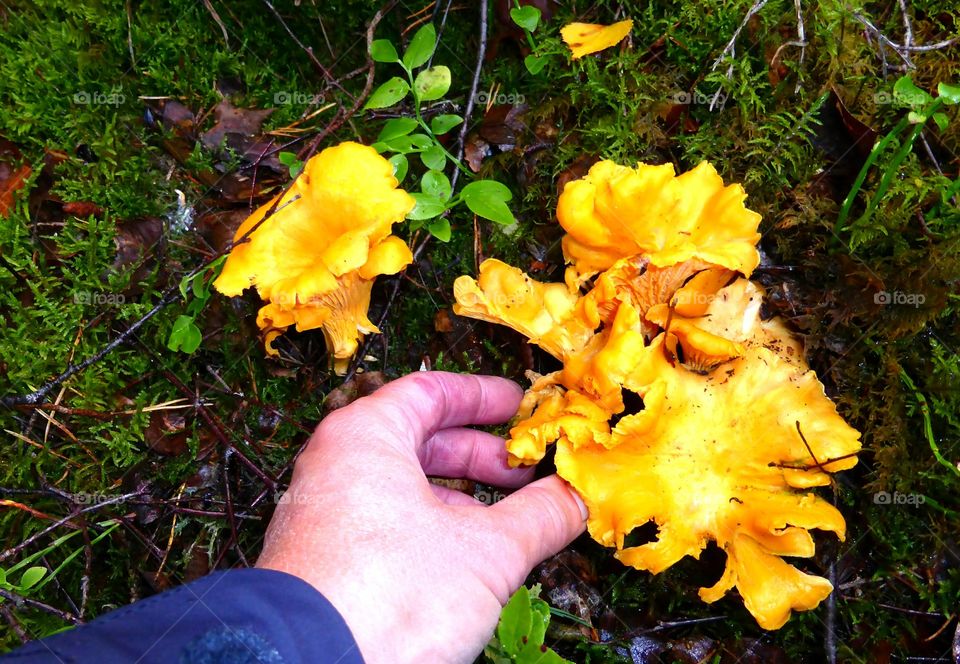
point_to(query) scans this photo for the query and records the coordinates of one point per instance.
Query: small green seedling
(404, 136)
(922, 107)
(527, 17)
(289, 159)
(185, 336)
(35, 577)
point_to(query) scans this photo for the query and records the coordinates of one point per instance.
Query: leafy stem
(923, 107)
(405, 135)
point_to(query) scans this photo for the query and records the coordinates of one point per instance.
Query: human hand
(419, 572)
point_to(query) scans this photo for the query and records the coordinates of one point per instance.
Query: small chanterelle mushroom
(734, 429)
(314, 260)
(586, 38)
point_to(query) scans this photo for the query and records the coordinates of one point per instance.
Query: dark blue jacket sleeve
(239, 616)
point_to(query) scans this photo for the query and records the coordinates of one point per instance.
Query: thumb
(538, 520)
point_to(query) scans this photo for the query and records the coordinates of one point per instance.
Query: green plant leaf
(487, 198)
(427, 207)
(382, 50)
(201, 287)
(388, 94)
(32, 577)
(949, 93)
(494, 210)
(539, 619)
(515, 621)
(527, 17)
(434, 158)
(435, 183)
(432, 83)
(942, 121)
(185, 285)
(521, 631)
(185, 335)
(908, 94)
(396, 128)
(440, 229)
(406, 144)
(535, 63)
(441, 124)
(289, 159)
(400, 166)
(421, 47)
(42, 552)
(487, 189)
(110, 527)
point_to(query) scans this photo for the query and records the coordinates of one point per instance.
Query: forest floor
(135, 137)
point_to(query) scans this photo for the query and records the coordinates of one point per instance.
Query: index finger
(418, 405)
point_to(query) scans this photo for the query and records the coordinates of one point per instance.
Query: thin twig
(228, 507)
(308, 50)
(64, 521)
(341, 118)
(901, 50)
(907, 29)
(911, 612)
(936, 46)
(20, 601)
(215, 424)
(474, 86)
(14, 623)
(87, 570)
(38, 395)
(129, 7)
(661, 626)
(218, 21)
(443, 24)
(802, 38)
(731, 49)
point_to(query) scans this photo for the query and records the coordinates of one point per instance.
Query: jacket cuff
(241, 615)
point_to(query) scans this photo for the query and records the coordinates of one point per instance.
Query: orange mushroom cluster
(734, 428)
(315, 258)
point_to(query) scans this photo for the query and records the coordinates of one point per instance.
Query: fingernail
(580, 504)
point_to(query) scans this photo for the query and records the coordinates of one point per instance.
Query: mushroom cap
(328, 223)
(543, 312)
(719, 457)
(314, 259)
(616, 211)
